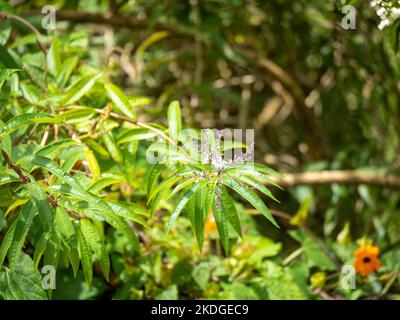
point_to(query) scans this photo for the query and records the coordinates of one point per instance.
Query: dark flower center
(366, 260)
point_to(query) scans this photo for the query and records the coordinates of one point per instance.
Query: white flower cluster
(387, 10)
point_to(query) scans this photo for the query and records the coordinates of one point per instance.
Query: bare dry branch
(337, 176)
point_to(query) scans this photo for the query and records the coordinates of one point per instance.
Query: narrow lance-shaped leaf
(39, 197)
(93, 165)
(65, 227)
(40, 247)
(183, 201)
(251, 197)
(6, 243)
(26, 119)
(21, 230)
(221, 220)
(152, 176)
(80, 88)
(94, 239)
(86, 258)
(53, 58)
(174, 120)
(129, 155)
(112, 147)
(256, 184)
(120, 100)
(228, 208)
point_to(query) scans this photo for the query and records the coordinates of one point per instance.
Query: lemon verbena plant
(69, 138)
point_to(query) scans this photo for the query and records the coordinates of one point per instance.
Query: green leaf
(15, 204)
(51, 166)
(221, 220)
(201, 274)
(53, 58)
(67, 67)
(120, 100)
(228, 207)
(78, 115)
(6, 144)
(183, 201)
(198, 209)
(6, 243)
(55, 146)
(92, 163)
(152, 176)
(95, 241)
(112, 147)
(106, 211)
(174, 120)
(4, 179)
(23, 284)
(6, 58)
(86, 258)
(26, 119)
(170, 181)
(73, 255)
(52, 251)
(39, 197)
(5, 74)
(129, 212)
(98, 148)
(21, 230)
(251, 197)
(394, 36)
(40, 247)
(129, 154)
(255, 167)
(135, 134)
(65, 227)
(81, 88)
(256, 184)
(103, 183)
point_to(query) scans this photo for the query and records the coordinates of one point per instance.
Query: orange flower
(211, 226)
(367, 261)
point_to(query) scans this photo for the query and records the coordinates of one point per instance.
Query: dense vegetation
(111, 172)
